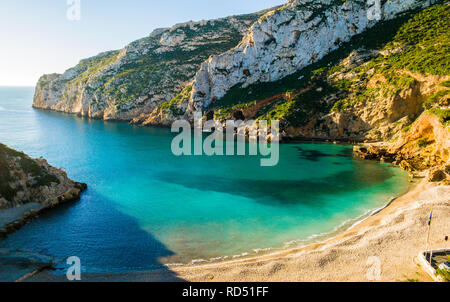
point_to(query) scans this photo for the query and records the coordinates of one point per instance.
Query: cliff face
(275, 56)
(371, 88)
(423, 150)
(287, 40)
(121, 85)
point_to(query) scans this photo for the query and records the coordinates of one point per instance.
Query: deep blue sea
(145, 207)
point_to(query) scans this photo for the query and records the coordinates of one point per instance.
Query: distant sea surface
(145, 207)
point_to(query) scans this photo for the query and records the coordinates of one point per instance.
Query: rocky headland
(30, 186)
(121, 85)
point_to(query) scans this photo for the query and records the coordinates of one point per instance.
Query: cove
(146, 207)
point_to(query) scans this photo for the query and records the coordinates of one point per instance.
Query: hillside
(122, 84)
(278, 54)
(369, 89)
(389, 84)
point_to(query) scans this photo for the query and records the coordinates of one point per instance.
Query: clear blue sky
(36, 36)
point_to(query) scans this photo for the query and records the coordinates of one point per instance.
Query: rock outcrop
(423, 150)
(29, 186)
(123, 84)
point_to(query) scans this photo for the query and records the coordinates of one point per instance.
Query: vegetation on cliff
(384, 62)
(10, 157)
(421, 45)
(173, 106)
(24, 180)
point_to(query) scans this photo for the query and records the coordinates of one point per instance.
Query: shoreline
(329, 237)
(283, 140)
(312, 260)
(289, 246)
(13, 219)
(396, 207)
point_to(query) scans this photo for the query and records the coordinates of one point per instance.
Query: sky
(38, 37)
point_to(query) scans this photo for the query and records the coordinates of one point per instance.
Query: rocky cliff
(423, 150)
(287, 40)
(276, 54)
(371, 88)
(388, 84)
(28, 186)
(121, 85)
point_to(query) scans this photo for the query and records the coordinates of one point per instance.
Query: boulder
(406, 166)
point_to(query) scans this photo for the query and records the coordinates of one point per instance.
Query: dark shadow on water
(315, 155)
(106, 240)
(285, 192)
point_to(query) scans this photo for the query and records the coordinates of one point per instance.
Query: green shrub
(407, 128)
(445, 84)
(7, 192)
(425, 39)
(442, 114)
(424, 142)
(435, 99)
(46, 180)
(172, 105)
(30, 166)
(339, 106)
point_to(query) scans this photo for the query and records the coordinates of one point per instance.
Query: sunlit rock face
(288, 39)
(121, 85)
(146, 81)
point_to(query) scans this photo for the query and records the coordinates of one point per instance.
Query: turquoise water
(145, 207)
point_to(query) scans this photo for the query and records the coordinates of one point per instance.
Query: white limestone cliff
(288, 39)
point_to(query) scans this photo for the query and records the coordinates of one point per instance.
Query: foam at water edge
(351, 223)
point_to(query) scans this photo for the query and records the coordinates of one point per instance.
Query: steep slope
(389, 84)
(120, 85)
(423, 150)
(278, 54)
(369, 89)
(286, 40)
(374, 93)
